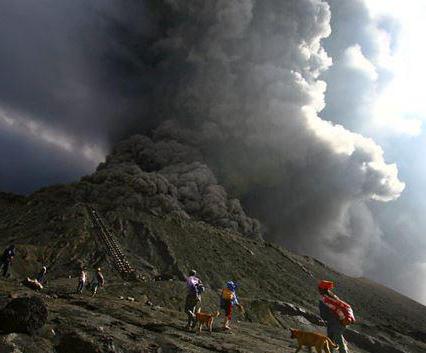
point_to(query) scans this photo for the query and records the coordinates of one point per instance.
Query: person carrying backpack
(336, 313)
(228, 300)
(98, 281)
(7, 258)
(193, 298)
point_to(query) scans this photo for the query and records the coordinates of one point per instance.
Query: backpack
(227, 294)
(194, 286)
(200, 288)
(342, 310)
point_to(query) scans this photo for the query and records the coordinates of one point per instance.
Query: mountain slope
(165, 227)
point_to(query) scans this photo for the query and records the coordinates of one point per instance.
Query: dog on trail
(206, 319)
(311, 339)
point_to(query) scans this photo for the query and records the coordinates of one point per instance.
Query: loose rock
(23, 315)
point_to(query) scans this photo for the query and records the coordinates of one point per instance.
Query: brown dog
(206, 319)
(311, 339)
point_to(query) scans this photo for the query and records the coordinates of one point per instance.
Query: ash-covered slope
(166, 210)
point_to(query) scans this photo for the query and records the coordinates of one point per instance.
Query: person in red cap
(333, 312)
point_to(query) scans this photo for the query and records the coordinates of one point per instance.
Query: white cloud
(25, 126)
(353, 58)
(401, 107)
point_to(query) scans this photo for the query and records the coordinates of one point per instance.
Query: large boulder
(23, 315)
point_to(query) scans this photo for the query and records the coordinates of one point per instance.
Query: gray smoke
(240, 80)
(354, 81)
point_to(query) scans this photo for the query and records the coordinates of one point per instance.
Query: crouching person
(41, 276)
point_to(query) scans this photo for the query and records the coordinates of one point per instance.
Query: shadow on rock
(23, 315)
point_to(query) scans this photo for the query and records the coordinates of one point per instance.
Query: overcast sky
(317, 106)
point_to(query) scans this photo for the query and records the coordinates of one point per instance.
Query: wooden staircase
(111, 245)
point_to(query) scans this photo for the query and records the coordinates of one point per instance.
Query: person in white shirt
(81, 281)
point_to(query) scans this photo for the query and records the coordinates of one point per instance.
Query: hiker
(228, 300)
(32, 283)
(41, 277)
(7, 258)
(81, 281)
(38, 281)
(336, 313)
(193, 298)
(98, 281)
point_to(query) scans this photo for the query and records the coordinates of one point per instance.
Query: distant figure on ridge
(193, 298)
(6, 259)
(98, 281)
(228, 300)
(336, 313)
(82, 278)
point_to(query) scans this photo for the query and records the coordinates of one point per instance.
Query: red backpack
(341, 309)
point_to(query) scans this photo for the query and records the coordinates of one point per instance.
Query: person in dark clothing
(6, 259)
(193, 298)
(335, 328)
(98, 281)
(41, 277)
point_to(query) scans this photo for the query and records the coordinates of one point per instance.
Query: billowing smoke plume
(239, 80)
(247, 93)
(362, 46)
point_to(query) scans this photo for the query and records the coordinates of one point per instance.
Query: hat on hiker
(231, 285)
(325, 285)
(98, 269)
(192, 273)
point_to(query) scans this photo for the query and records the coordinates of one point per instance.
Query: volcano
(149, 214)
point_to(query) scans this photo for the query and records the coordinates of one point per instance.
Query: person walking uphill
(98, 281)
(82, 278)
(228, 300)
(336, 313)
(6, 259)
(193, 298)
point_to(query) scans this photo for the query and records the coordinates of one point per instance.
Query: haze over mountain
(243, 82)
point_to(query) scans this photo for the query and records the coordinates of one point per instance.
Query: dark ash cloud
(241, 80)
